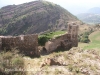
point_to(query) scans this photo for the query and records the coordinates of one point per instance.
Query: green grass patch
(53, 34)
(95, 41)
(42, 39)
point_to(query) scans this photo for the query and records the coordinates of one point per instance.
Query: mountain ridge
(92, 16)
(33, 17)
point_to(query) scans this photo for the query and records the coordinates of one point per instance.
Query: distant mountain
(95, 10)
(91, 16)
(33, 17)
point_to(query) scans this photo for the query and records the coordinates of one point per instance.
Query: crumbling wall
(9, 42)
(63, 41)
(27, 44)
(73, 30)
(66, 42)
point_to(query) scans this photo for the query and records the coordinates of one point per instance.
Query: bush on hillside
(84, 37)
(84, 40)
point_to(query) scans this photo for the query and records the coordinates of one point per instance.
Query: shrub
(18, 62)
(42, 40)
(84, 40)
(84, 37)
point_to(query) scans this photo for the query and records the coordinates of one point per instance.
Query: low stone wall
(27, 44)
(63, 41)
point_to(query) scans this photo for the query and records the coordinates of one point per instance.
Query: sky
(74, 6)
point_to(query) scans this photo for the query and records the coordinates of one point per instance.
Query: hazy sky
(74, 6)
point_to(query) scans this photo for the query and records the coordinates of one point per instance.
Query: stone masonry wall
(66, 41)
(73, 30)
(59, 42)
(27, 44)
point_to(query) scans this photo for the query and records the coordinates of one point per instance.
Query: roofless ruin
(28, 44)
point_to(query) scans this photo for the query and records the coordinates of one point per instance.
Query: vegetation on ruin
(42, 39)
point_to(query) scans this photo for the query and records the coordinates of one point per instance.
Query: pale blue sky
(74, 6)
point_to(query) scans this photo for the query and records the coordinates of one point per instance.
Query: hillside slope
(94, 43)
(95, 40)
(33, 17)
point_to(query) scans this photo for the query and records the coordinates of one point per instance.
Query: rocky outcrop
(51, 62)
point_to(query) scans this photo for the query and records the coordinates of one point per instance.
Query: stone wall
(65, 41)
(27, 44)
(73, 30)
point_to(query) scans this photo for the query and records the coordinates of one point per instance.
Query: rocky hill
(33, 17)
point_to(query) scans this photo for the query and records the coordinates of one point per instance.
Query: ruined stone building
(65, 41)
(26, 44)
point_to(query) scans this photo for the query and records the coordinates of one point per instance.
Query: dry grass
(83, 28)
(77, 60)
(11, 63)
